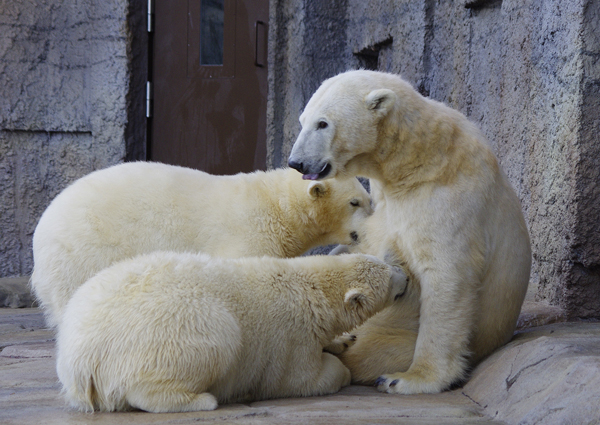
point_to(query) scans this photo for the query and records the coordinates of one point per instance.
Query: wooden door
(209, 77)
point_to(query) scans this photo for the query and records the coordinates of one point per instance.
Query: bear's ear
(354, 297)
(381, 101)
(316, 189)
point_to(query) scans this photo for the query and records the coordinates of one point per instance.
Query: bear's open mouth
(320, 175)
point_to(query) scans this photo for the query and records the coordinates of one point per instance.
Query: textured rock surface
(527, 72)
(15, 292)
(306, 41)
(66, 96)
(548, 375)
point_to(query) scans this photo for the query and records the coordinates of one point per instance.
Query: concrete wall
(71, 75)
(526, 71)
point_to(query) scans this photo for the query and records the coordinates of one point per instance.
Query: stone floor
(547, 375)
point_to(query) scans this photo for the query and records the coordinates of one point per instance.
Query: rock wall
(526, 72)
(71, 74)
(306, 42)
(582, 285)
(72, 83)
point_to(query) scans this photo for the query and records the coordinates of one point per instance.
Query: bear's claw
(384, 384)
(380, 380)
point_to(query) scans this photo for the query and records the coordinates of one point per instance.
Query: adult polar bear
(443, 209)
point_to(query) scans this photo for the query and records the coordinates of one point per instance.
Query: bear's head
(338, 209)
(341, 124)
(376, 287)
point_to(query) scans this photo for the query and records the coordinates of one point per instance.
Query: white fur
(172, 332)
(443, 208)
(134, 208)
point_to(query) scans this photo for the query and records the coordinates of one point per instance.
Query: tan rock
(548, 375)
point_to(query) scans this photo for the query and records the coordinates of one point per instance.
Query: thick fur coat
(172, 332)
(136, 208)
(443, 209)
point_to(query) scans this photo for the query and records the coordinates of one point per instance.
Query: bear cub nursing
(175, 332)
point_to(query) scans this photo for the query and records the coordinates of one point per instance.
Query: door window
(212, 14)
(211, 38)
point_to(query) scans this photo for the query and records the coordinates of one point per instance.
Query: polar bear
(139, 207)
(443, 209)
(175, 332)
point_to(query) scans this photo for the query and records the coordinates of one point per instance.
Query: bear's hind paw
(407, 383)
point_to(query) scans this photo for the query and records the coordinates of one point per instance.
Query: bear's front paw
(340, 344)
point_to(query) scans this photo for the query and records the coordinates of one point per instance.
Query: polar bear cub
(174, 332)
(444, 209)
(140, 207)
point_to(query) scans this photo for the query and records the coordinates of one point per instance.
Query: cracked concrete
(545, 375)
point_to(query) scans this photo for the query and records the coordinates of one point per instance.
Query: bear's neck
(329, 316)
(433, 147)
(302, 231)
(285, 224)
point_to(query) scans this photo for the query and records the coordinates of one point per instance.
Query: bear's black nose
(296, 165)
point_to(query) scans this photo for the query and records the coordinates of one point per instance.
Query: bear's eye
(355, 203)
(321, 125)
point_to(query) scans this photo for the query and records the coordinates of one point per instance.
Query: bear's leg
(441, 350)
(378, 350)
(167, 399)
(332, 376)
(386, 342)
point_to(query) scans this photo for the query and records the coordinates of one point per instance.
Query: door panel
(209, 115)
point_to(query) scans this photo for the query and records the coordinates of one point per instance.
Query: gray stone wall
(526, 72)
(583, 266)
(307, 41)
(71, 75)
